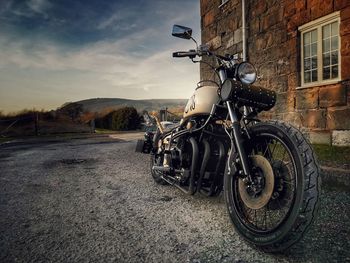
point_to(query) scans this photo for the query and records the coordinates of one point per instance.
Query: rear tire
(303, 185)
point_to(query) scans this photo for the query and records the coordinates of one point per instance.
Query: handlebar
(194, 53)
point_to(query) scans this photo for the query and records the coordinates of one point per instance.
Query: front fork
(238, 143)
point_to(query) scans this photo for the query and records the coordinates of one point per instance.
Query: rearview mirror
(182, 32)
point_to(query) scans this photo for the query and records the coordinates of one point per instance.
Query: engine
(194, 165)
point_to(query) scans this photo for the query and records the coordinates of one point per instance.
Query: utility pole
(36, 123)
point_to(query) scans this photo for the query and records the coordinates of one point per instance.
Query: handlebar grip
(178, 55)
(182, 54)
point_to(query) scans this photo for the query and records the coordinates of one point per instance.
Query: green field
(334, 155)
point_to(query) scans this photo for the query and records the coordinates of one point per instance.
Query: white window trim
(319, 23)
(223, 2)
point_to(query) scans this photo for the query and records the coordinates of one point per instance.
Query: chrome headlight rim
(246, 73)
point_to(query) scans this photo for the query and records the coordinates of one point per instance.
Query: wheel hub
(258, 194)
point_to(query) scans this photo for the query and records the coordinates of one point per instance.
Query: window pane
(314, 62)
(307, 38)
(314, 49)
(326, 73)
(326, 45)
(334, 57)
(307, 64)
(334, 44)
(335, 29)
(334, 72)
(326, 31)
(314, 75)
(314, 36)
(306, 51)
(326, 59)
(307, 76)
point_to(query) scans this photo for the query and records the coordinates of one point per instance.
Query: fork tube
(236, 128)
(223, 75)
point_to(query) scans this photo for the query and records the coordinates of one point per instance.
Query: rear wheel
(275, 211)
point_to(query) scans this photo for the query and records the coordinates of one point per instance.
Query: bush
(72, 110)
(123, 119)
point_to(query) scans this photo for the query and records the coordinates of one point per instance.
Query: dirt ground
(93, 200)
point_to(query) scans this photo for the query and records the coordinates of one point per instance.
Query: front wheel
(275, 211)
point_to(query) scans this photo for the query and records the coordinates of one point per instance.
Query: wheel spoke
(274, 148)
(255, 221)
(284, 181)
(267, 148)
(285, 151)
(291, 180)
(275, 211)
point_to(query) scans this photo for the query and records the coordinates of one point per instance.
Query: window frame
(223, 2)
(318, 24)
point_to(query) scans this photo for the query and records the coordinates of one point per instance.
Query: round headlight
(246, 73)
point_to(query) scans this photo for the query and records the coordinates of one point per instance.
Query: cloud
(39, 6)
(136, 64)
(112, 63)
(118, 20)
(5, 6)
(13, 11)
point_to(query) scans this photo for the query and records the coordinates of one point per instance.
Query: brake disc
(257, 201)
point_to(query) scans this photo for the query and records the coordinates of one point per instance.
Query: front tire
(291, 206)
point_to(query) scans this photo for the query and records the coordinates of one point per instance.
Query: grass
(106, 131)
(103, 131)
(5, 139)
(335, 155)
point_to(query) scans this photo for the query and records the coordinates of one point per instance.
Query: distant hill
(101, 104)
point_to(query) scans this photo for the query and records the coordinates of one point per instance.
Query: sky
(58, 51)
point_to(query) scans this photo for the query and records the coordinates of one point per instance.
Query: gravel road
(93, 200)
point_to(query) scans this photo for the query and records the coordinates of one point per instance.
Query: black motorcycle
(267, 170)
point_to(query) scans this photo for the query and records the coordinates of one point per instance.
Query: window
(320, 52)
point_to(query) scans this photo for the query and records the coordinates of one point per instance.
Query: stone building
(301, 49)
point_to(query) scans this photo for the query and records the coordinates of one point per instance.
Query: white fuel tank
(201, 101)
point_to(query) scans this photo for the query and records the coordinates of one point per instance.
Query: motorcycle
(267, 170)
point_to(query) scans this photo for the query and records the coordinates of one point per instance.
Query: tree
(123, 119)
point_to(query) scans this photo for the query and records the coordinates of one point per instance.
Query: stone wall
(274, 48)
